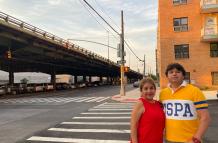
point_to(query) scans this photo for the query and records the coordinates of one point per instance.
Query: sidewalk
(133, 95)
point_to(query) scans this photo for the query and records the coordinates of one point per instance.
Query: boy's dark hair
(177, 66)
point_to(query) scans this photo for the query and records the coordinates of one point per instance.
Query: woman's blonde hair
(146, 80)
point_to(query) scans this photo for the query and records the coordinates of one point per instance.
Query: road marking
(119, 103)
(73, 140)
(86, 98)
(89, 130)
(78, 99)
(95, 99)
(106, 113)
(96, 123)
(103, 99)
(52, 100)
(112, 107)
(101, 118)
(109, 109)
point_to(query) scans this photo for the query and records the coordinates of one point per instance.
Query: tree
(24, 81)
(154, 77)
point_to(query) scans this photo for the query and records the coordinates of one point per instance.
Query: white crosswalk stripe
(101, 117)
(89, 130)
(108, 113)
(45, 100)
(70, 140)
(104, 119)
(96, 123)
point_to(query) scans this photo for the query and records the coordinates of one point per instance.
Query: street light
(92, 42)
(98, 43)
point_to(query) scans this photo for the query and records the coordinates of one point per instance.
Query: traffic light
(8, 55)
(126, 69)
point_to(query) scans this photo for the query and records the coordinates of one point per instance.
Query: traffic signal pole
(122, 85)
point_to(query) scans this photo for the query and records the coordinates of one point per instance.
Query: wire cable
(107, 14)
(92, 15)
(101, 17)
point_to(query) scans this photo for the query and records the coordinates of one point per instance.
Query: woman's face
(148, 91)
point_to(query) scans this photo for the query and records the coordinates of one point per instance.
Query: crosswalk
(54, 100)
(93, 126)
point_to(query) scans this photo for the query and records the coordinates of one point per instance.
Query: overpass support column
(53, 79)
(75, 80)
(11, 76)
(108, 80)
(90, 79)
(84, 79)
(101, 79)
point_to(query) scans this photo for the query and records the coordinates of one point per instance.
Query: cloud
(54, 2)
(142, 30)
(69, 19)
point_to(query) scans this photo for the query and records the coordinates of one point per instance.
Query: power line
(107, 14)
(132, 51)
(112, 29)
(101, 17)
(97, 20)
(118, 27)
(93, 15)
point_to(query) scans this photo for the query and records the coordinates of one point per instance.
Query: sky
(73, 19)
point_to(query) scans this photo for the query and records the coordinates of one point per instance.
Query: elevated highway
(35, 50)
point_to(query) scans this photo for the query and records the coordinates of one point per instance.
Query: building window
(214, 49)
(177, 2)
(180, 24)
(187, 77)
(214, 78)
(181, 51)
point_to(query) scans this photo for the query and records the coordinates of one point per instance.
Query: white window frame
(178, 2)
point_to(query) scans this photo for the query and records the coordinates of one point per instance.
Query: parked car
(136, 83)
(39, 87)
(2, 90)
(49, 87)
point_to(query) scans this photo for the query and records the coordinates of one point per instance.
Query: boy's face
(175, 76)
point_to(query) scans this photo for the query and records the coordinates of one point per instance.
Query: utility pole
(144, 66)
(122, 86)
(108, 46)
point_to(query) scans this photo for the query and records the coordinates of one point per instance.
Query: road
(23, 116)
(84, 115)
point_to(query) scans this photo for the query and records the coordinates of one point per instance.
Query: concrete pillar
(75, 80)
(84, 78)
(101, 79)
(90, 79)
(108, 80)
(53, 79)
(11, 77)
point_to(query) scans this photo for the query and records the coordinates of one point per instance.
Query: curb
(123, 99)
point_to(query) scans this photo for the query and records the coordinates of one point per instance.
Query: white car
(136, 84)
(2, 90)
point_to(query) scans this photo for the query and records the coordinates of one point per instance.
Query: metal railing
(48, 36)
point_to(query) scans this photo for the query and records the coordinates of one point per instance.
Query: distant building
(188, 34)
(31, 77)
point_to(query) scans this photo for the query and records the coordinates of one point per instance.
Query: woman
(147, 119)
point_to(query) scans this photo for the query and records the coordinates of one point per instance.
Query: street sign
(120, 62)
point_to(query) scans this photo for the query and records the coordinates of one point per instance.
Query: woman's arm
(136, 114)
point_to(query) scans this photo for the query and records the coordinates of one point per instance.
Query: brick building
(188, 34)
